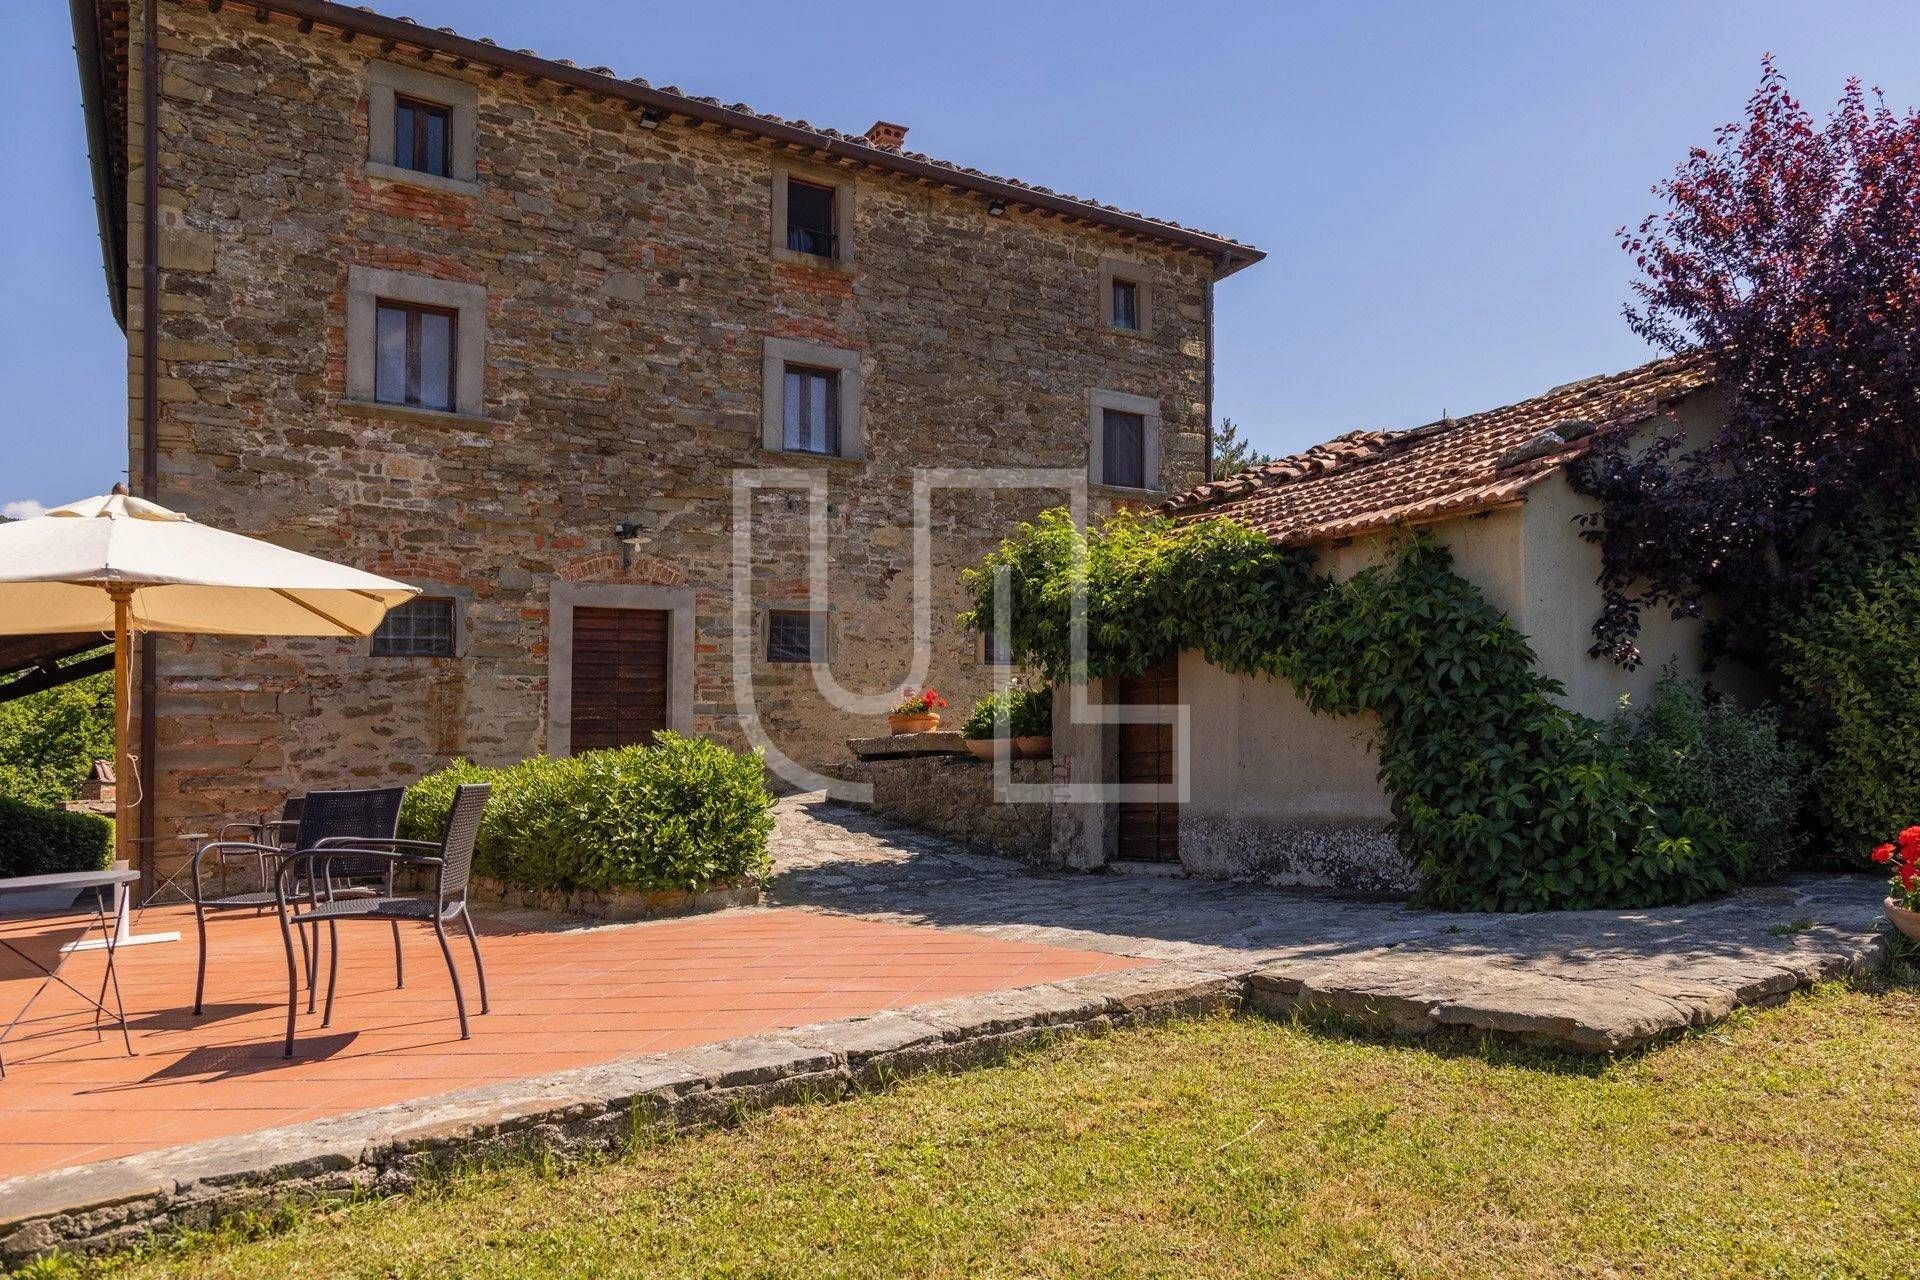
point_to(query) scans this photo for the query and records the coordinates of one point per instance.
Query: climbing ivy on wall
(1503, 799)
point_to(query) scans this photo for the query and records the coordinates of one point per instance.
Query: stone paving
(1587, 981)
(1590, 981)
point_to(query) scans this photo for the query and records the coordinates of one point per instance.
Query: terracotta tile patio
(561, 998)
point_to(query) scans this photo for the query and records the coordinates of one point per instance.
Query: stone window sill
(800, 458)
(794, 258)
(1124, 491)
(393, 173)
(413, 413)
(1121, 331)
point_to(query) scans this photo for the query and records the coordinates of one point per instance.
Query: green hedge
(1697, 750)
(682, 814)
(36, 841)
(1848, 655)
(1502, 798)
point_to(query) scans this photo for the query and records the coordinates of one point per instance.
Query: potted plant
(916, 711)
(1033, 723)
(1903, 905)
(989, 727)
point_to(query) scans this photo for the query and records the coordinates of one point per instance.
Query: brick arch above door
(612, 569)
(565, 599)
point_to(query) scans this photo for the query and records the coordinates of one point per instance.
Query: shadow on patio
(842, 858)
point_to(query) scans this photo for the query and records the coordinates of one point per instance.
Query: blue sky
(1437, 185)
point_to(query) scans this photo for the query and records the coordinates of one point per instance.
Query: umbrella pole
(124, 778)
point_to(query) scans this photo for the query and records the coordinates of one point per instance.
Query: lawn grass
(1779, 1144)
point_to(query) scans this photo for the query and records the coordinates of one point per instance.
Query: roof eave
(1229, 256)
(86, 52)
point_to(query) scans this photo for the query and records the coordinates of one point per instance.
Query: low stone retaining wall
(953, 796)
(116, 1203)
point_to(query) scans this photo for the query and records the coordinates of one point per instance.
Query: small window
(1126, 305)
(420, 132)
(795, 635)
(991, 654)
(1123, 449)
(810, 221)
(810, 418)
(420, 628)
(414, 355)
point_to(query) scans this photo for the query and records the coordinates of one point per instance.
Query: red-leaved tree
(1787, 255)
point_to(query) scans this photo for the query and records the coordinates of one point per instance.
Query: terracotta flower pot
(1034, 747)
(988, 748)
(923, 723)
(1907, 922)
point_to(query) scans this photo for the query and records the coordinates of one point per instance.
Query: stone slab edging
(114, 1203)
(1593, 1004)
(601, 1108)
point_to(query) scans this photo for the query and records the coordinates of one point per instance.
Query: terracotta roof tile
(1367, 480)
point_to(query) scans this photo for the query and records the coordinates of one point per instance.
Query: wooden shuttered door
(619, 676)
(1149, 832)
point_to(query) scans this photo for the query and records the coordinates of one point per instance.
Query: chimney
(99, 784)
(886, 136)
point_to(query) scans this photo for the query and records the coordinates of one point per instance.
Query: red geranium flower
(1910, 838)
(1909, 877)
(1883, 853)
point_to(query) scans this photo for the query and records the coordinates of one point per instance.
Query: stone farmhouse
(511, 330)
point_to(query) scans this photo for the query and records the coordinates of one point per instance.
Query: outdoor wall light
(629, 534)
(997, 207)
(652, 117)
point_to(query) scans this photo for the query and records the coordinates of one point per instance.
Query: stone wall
(630, 289)
(953, 796)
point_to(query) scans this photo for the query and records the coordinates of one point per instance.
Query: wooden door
(619, 676)
(1149, 832)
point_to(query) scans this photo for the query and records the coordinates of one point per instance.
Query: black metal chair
(451, 860)
(321, 819)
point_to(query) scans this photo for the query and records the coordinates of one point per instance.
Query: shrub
(1700, 751)
(684, 813)
(36, 841)
(1848, 654)
(49, 740)
(423, 814)
(1033, 712)
(1503, 799)
(1025, 713)
(991, 717)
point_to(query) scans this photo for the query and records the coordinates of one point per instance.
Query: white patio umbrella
(121, 564)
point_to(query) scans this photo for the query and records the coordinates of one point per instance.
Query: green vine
(1503, 799)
